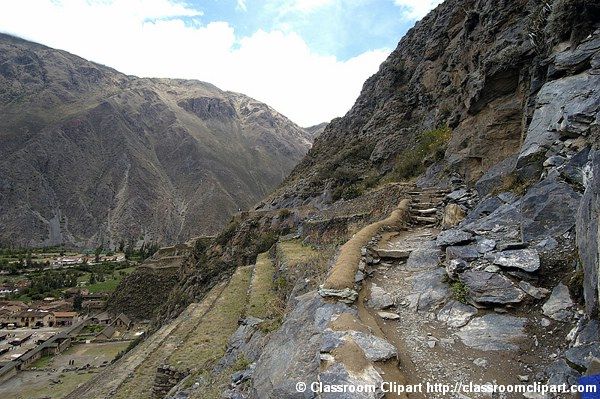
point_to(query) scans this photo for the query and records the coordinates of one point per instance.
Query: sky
(307, 59)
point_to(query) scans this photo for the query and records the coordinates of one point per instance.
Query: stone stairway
(425, 207)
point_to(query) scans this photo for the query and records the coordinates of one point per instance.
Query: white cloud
(147, 38)
(417, 9)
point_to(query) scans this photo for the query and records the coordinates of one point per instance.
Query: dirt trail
(429, 351)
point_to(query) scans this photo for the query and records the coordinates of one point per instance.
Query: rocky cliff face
(93, 156)
(475, 66)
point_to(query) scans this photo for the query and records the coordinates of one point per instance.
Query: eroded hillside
(91, 156)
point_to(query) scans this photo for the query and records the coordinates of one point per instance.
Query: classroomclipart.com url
(441, 388)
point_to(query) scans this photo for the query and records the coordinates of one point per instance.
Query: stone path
(439, 339)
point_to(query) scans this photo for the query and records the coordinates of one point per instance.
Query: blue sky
(306, 58)
(343, 29)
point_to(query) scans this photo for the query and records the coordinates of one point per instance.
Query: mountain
(446, 229)
(316, 130)
(92, 156)
(472, 66)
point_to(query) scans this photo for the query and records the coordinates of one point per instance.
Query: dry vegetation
(346, 265)
(208, 341)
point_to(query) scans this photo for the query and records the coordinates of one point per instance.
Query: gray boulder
(484, 208)
(466, 252)
(453, 237)
(565, 108)
(559, 305)
(493, 177)
(339, 374)
(548, 209)
(456, 314)
(493, 288)
(423, 258)
(560, 373)
(375, 349)
(582, 355)
(590, 332)
(588, 235)
(291, 355)
(485, 245)
(494, 332)
(524, 259)
(574, 170)
(379, 299)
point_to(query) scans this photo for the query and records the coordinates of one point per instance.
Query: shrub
(460, 292)
(411, 163)
(228, 233)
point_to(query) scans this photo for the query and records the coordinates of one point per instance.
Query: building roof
(33, 313)
(126, 320)
(102, 316)
(108, 332)
(65, 314)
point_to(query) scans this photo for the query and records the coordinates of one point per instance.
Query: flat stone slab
(485, 287)
(559, 305)
(524, 259)
(453, 237)
(429, 288)
(494, 332)
(388, 315)
(379, 299)
(456, 314)
(536, 292)
(375, 349)
(424, 258)
(399, 254)
(466, 252)
(582, 355)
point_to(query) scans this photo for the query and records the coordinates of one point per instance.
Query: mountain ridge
(98, 157)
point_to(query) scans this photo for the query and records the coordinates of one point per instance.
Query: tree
(97, 253)
(77, 302)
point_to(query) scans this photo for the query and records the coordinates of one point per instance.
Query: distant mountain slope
(316, 130)
(90, 155)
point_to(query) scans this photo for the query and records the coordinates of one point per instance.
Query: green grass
(262, 297)
(294, 252)
(460, 292)
(208, 341)
(109, 285)
(139, 385)
(42, 388)
(263, 301)
(42, 362)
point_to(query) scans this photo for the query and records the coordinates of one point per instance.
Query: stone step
(425, 219)
(422, 205)
(384, 253)
(421, 212)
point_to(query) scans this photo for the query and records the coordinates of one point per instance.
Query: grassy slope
(140, 385)
(208, 341)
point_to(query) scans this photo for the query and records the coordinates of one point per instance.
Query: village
(54, 331)
(45, 347)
